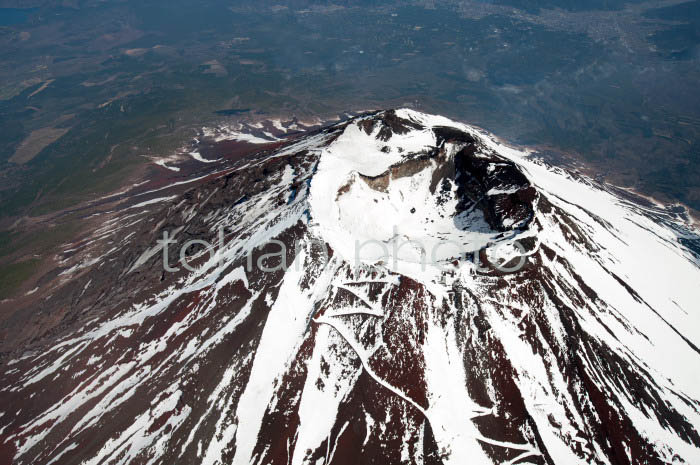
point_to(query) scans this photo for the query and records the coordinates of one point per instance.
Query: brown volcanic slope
(329, 362)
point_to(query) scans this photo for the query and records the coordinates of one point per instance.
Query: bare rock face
(350, 297)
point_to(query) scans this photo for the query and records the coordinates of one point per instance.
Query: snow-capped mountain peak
(395, 288)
